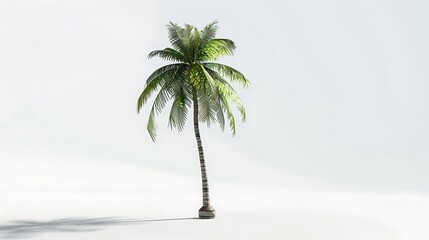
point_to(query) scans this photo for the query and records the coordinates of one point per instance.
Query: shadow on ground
(30, 228)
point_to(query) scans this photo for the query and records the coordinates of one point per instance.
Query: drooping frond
(220, 117)
(228, 73)
(216, 48)
(179, 109)
(227, 91)
(227, 109)
(157, 79)
(208, 79)
(211, 109)
(168, 54)
(207, 108)
(162, 71)
(212, 96)
(164, 95)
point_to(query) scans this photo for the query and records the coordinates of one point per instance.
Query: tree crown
(194, 77)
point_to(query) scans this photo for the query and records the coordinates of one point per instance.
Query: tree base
(206, 212)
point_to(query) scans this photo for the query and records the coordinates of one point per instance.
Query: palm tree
(194, 78)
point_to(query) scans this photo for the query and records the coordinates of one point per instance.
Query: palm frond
(164, 95)
(230, 94)
(196, 77)
(168, 54)
(209, 32)
(207, 108)
(194, 43)
(176, 38)
(228, 73)
(157, 79)
(203, 106)
(217, 111)
(179, 108)
(162, 70)
(208, 79)
(227, 109)
(207, 96)
(151, 125)
(216, 48)
(187, 34)
(220, 117)
(226, 90)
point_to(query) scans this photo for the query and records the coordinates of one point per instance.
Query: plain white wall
(338, 99)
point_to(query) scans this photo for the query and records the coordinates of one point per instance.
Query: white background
(338, 105)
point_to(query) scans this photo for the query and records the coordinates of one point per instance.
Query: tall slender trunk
(206, 210)
(205, 183)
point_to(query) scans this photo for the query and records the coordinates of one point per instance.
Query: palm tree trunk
(206, 211)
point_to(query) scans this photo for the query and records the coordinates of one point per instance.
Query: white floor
(56, 194)
(83, 197)
(241, 215)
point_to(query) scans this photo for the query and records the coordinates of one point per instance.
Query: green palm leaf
(216, 48)
(157, 79)
(168, 54)
(180, 106)
(209, 32)
(228, 73)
